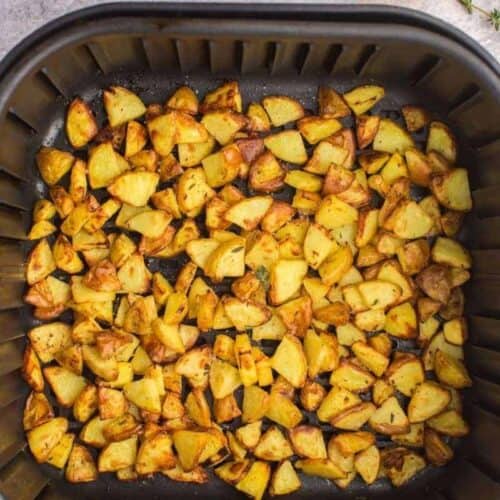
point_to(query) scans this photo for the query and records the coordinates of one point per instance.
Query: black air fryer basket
(152, 49)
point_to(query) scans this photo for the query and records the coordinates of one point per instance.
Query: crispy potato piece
(104, 165)
(428, 400)
(405, 373)
(285, 279)
(37, 411)
(434, 281)
(390, 418)
(255, 481)
(53, 164)
(227, 96)
(81, 467)
(333, 213)
(287, 146)
(367, 464)
(284, 479)
(361, 99)
(442, 140)
(81, 125)
(331, 104)
(43, 438)
(308, 441)
(290, 361)
(401, 464)
(223, 125)
(437, 451)
(451, 253)
(273, 446)
(355, 417)
(65, 384)
(451, 371)
(366, 129)
(122, 105)
(452, 189)
(134, 188)
(321, 467)
(373, 360)
(401, 321)
(118, 455)
(352, 377)
(183, 99)
(449, 423)
(415, 117)
(223, 166)
(40, 263)
(316, 128)
(224, 378)
(391, 138)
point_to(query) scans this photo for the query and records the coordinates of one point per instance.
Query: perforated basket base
(153, 53)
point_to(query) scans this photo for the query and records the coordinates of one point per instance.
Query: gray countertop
(21, 17)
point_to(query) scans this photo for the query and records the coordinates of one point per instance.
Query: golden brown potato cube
(350, 443)
(118, 455)
(290, 361)
(226, 409)
(104, 165)
(134, 188)
(53, 164)
(81, 125)
(331, 103)
(366, 129)
(415, 117)
(434, 281)
(401, 464)
(227, 96)
(37, 411)
(41, 229)
(43, 438)
(451, 222)
(223, 125)
(284, 479)
(390, 418)
(311, 395)
(321, 467)
(122, 105)
(451, 371)
(287, 146)
(419, 169)
(40, 263)
(81, 467)
(428, 400)
(367, 464)
(183, 99)
(273, 446)
(391, 138)
(401, 321)
(442, 140)
(450, 423)
(437, 451)
(32, 371)
(452, 189)
(258, 120)
(307, 441)
(254, 483)
(363, 98)
(451, 253)
(355, 417)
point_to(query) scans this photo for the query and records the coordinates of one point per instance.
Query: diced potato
(282, 109)
(442, 140)
(308, 442)
(287, 146)
(53, 164)
(391, 138)
(118, 455)
(290, 361)
(81, 467)
(451, 253)
(428, 400)
(284, 479)
(122, 105)
(451, 371)
(363, 98)
(449, 423)
(43, 438)
(223, 125)
(316, 128)
(401, 464)
(254, 483)
(134, 188)
(321, 467)
(333, 213)
(452, 189)
(273, 446)
(415, 117)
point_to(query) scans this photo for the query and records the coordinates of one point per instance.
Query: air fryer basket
(152, 48)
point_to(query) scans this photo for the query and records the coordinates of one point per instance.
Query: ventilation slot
(301, 57)
(364, 59)
(271, 53)
(424, 69)
(93, 51)
(45, 75)
(225, 57)
(468, 95)
(332, 57)
(21, 122)
(161, 54)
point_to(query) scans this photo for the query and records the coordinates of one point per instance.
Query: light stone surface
(20, 17)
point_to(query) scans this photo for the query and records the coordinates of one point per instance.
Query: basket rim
(383, 14)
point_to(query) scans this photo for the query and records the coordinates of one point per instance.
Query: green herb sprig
(493, 16)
